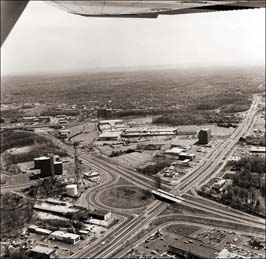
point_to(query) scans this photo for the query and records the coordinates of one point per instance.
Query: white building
(174, 151)
(109, 136)
(258, 150)
(43, 252)
(65, 237)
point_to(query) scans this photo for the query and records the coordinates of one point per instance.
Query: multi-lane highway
(205, 170)
(193, 179)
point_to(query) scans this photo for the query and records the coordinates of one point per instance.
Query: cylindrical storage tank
(72, 190)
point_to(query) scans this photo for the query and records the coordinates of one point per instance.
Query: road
(205, 170)
(191, 180)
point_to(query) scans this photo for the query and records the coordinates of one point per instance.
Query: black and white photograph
(132, 129)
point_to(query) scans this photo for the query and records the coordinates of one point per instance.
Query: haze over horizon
(48, 40)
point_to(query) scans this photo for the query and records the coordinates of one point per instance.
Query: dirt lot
(181, 229)
(89, 133)
(135, 159)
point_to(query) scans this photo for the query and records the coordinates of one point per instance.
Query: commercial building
(105, 113)
(92, 176)
(174, 151)
(185, 156)
(110, 122)
(191, 248)
(48, 165)
(204, 136)
(187, 130)
(258, 150)
(99, 214)
(43, 252)
(219, 184)
(55, 209)
(41, 231)
(148, 132)
(65, 237)
(109, 136)
(63, 134)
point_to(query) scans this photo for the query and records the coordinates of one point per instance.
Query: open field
(125, 197)
(135, 159)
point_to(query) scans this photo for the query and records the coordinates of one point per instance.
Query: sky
(49, 40)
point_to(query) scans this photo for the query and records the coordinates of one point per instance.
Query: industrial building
(204, 136)
(48, 165)
(65, 237)
(43, 252)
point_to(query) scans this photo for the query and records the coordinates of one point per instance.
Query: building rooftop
(42, 158)
(258, 149)
(174, 150)
(43, 250)
(186, 154)
(195, 247)
(55, 208)
(65, 234)
(110, 134)
(111, 122)
(99, 212)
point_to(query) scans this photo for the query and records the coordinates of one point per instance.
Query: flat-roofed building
(56, 209)
(43, 252)
(41, 231)
(259, 150)
(109, 136)
(187, 130)
(64, 133)
(92, 176)
(48, 165)
(174, 151)
(110, 122)
(185, 156)
(187, 247)
(65, 237)
(148, 132)
(100, 214)
(104, 113)
(204, 136)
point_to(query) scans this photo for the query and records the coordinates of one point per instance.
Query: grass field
(126, 197)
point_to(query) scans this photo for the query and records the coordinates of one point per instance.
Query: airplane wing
(11, 10)
(151, 8)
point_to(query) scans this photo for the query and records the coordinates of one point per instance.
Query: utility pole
(77, 164)
(52, 165)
